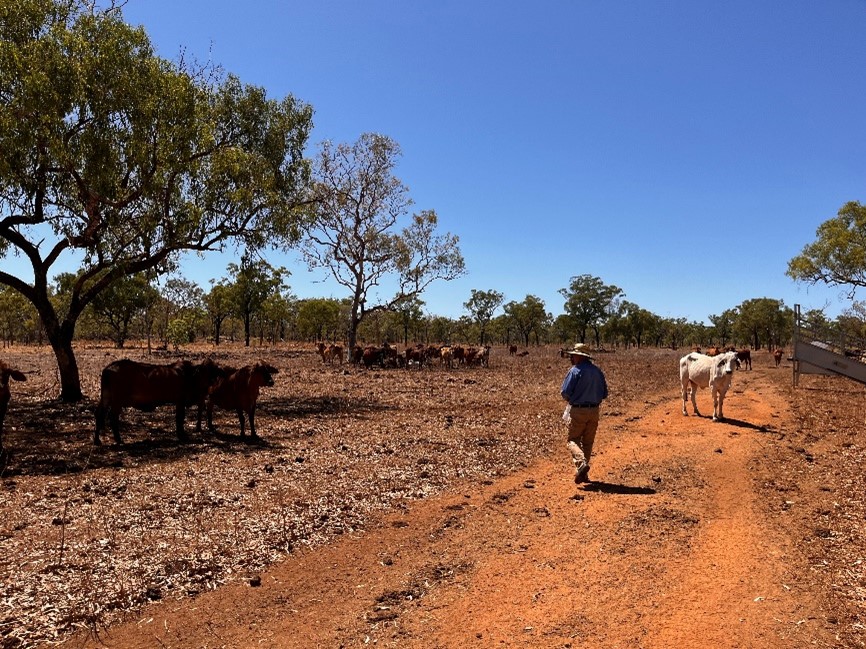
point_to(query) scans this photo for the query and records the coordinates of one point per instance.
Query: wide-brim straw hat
(580, 349)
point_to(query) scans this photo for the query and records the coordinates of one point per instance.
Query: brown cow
(6, 373)
(239, 391)
(777, 356)
(330, 352)
(713, 351)
(144, 386)
(512, 350)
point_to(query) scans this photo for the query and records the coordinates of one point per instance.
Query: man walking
(584, 388)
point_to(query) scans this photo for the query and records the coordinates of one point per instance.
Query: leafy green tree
(120, 159)
(723, 325)
(410, 314)
(218, 305)
(838, 256)
(481, 306)
(763, 321)
(17, 316)
(319, 318)
(588, 303)
(252, 283)
(527, 317)
(635, 322)
(122, 301)
(359, 205)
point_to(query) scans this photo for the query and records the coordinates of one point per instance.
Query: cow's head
(726, 362)
(266, 372)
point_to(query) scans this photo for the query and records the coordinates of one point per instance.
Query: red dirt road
(681, 540)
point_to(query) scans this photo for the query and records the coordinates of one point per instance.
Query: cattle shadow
(616, 488)
(324, 405)
(740, 423)
(53, 438)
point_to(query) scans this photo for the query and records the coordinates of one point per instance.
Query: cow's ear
(721, 363)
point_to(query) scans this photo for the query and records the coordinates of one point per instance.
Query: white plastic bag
(566, 415)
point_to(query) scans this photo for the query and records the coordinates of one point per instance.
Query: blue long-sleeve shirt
(584, 384)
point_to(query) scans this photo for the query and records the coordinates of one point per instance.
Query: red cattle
(713, 351)
(777, 356)
(330, 352)
(144, 386)
(239, 391)
(6, 373)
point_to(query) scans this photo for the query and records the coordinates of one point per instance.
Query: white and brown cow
(714, 372)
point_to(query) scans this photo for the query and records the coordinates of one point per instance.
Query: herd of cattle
(388, 355)
(206, 385)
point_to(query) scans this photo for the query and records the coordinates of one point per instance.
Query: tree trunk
(70, 381)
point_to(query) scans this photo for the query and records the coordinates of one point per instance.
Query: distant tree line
(253, 304)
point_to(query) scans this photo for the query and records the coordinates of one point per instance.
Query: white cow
(714, 372)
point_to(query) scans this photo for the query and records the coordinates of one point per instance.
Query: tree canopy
(359, 204)
(838, 256)
(119, 160)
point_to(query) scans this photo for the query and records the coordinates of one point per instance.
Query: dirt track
(690, 535)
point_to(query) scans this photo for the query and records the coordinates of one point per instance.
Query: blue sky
(683, 150)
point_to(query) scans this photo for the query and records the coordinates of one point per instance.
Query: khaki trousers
(581, 431)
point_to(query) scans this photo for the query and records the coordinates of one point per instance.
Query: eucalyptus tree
(218, 305)
(253, 282)
(116, 161)
(588, 303)
(319, 318)
(764, 321)
(359, 207)
(527, 317)
(123, 301)
(838, 256)
(481, 306)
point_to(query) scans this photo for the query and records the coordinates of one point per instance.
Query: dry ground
(436, 508)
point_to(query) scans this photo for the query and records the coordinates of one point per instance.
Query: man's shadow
(613, 488)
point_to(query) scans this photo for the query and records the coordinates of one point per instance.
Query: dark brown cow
(239, 391)
(777, 356)
(6, 373)
(144, 386)
(512, 350)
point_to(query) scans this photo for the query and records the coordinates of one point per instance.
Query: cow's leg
(694, 388)
(210, 416)
(179, 416)
(114, 418)
(717, 406)
(685, 391)
(721, 403)
(100, 424)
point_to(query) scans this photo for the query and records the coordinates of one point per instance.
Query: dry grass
(87, 534)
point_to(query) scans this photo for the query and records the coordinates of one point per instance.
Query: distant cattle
(239, 391)
(447, 356)
(745, 357)
(701, 371)
(713, 351)
(145, 386)
(330, 352)
(777, 356)
(512, 350)
(6, 373)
